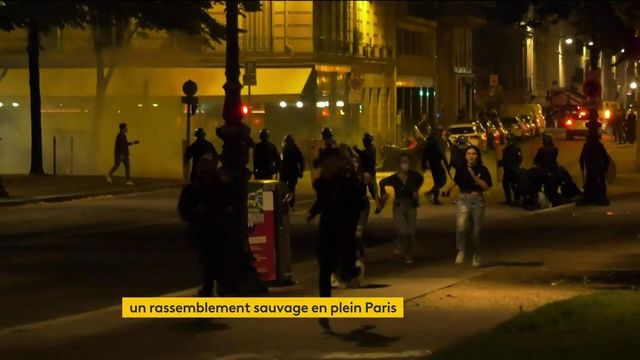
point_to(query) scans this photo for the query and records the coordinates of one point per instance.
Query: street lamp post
(189, 88)
(236, 138)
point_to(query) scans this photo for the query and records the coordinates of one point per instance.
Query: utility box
(269, 231)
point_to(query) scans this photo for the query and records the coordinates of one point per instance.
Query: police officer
(546, 160)
(511, 162)
(594, 161)
(328, 143)
(630, 126)
(198, 149)
(292, 167)
(266, 158)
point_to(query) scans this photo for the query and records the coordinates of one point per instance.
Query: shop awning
(128, 81)
(410, 81)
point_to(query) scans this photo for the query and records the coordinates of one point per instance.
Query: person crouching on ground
(473, 179)
(405, 183)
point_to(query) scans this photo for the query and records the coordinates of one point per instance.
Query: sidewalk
(444, 303)
(25, 189)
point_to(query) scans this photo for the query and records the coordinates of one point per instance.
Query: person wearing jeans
(473, 179)
(406, 183)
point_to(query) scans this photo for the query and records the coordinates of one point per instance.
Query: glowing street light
(590, 43)
(15, 104)
(1, 104)
(283, 104)
(568, 41)
(633, 85)
(299, 104)
(340, 103)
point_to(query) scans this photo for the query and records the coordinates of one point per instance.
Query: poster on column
(262, 230)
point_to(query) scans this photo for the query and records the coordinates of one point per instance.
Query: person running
(121, 154)
(434, 155)
(198, 149)
(292, 167)
(473, 179)
(406, 183)
(367, 160)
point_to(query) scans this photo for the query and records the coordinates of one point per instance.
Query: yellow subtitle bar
(242, 308)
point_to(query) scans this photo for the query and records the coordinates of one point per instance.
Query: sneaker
(460, 257)
(476, 261)
(130, 183)
(109, 179)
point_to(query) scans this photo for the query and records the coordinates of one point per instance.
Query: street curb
(77, 196)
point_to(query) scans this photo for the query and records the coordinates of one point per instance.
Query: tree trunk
(99, 105)
(33, 50)
(235, 156)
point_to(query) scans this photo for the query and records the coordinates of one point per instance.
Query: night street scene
(476, 161)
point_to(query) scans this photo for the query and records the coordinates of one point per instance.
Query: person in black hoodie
(292, 167)
(338, 202)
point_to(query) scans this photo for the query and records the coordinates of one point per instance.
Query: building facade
(319, 63)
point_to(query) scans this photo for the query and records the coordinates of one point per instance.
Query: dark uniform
(547, 160)
(292, 168)
(434, 156)
(196, 150)
(594, 161)
(511, 161)
(630, 127)
(266, 160)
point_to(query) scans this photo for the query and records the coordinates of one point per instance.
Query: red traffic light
(246, 109)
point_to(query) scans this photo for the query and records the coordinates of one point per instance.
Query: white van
(534, 111)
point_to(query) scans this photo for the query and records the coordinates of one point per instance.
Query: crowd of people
(347, 184)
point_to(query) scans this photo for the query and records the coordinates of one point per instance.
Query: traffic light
(246, 109)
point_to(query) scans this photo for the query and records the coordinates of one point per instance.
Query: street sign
(493, 80)
(250, 77)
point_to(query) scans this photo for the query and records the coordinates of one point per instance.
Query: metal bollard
(55, 168)
(71, 157)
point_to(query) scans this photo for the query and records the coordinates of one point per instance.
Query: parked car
(533, 111)
(513, 125)
(529, 126)
(473, 131)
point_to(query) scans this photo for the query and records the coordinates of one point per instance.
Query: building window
(411, 42)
